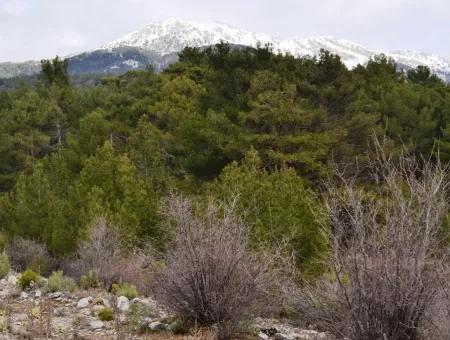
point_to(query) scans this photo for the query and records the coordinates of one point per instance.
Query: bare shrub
(211, 278)
(29, 254)
(387, 266)
(102, 254)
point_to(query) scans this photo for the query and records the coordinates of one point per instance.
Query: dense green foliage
(276, 205)
(106, 314)
(124, 289)
(71, 154)
(57, 282)
(26, 278)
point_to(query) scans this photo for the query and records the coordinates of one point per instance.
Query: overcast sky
(35, 29)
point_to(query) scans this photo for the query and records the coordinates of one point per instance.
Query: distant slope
(11, 70)
(112, 61)
(115, 61)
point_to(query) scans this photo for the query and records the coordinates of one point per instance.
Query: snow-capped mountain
(158, 44)
(173, 35)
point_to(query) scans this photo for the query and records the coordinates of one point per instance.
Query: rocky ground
(36, 314)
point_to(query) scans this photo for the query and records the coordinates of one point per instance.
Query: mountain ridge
(173, 35)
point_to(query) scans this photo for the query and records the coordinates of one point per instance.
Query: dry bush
(387, 266)
(104, 254)
(211, 277)
(29, 254)
(100, 253)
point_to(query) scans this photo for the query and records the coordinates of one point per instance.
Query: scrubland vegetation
(237, 183)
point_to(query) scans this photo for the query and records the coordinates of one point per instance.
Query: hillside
(234, 187)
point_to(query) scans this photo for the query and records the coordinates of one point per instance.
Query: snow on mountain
(437, 64)
(173, 35)
(10, 70)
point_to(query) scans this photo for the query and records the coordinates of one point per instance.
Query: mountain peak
(173, 35)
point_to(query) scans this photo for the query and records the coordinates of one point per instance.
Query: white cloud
(71, 39)
(14, 7)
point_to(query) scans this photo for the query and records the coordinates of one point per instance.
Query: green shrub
(89, 280)
(57, 282)
(4, 265)
(106, 314)
(136, 316)
(125, 289)
(2, 242)
(277, 206)
(27, 277)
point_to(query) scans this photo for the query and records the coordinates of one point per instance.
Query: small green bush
(27, 277)
(106, 314)
(89, 280)
(57, 282)
(136, 316)
(125, 289)
(4, 265)
(178, 327)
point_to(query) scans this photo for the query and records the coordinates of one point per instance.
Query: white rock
(60, 311)
(147, 320)
(97, 324)
(84, 302)
(55, 295)
(136, 300)
(24, 295)
(280, 336)
(12, 280)
(263, 336)
(38, 294)
(157, 326)
(123, 304)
